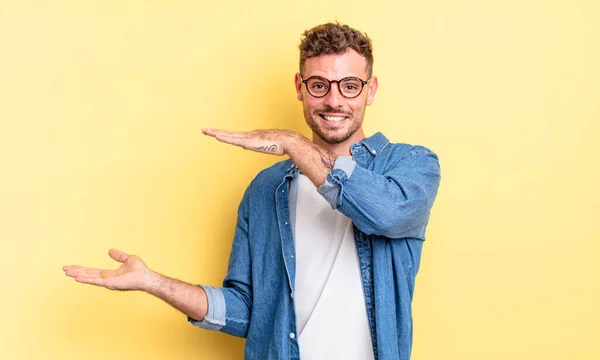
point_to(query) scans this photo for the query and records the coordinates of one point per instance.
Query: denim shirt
(387, 190)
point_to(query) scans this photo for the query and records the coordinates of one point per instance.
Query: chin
(335, 138)
(332, 136)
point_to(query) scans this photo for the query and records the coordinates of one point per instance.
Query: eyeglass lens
(349, 87)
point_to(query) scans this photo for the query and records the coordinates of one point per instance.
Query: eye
(351, 85)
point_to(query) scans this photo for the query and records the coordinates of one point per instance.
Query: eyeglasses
(350, 87)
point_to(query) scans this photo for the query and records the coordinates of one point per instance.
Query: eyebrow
(325, 77)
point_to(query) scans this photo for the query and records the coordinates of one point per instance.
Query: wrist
(294, 142)
(151, 282)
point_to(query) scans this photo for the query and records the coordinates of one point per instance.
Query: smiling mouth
(332, 118)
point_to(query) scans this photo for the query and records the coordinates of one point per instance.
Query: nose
(334, 98)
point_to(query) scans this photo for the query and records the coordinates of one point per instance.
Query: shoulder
(407, 156)
(398, 151)
(379, 144)
(403, 151)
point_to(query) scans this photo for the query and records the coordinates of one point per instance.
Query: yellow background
(101, 108)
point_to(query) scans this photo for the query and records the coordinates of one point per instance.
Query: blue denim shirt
(387, 190)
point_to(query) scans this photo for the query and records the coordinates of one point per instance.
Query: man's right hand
(131, 275)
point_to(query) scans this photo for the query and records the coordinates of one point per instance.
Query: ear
(298, 83)
(372, 87)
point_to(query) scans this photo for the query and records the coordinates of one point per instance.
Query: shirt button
(292, 295)
(292, 335)
(374, 152)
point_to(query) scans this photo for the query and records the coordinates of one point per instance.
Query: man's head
(328, 39)
(334, 111)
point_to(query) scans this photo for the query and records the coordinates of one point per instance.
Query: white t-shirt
(331, 316)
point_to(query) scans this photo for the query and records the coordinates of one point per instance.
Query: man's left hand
(273, 142)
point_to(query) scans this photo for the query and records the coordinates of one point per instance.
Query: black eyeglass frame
(363, 83)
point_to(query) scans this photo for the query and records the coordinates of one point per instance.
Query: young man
(328, 242)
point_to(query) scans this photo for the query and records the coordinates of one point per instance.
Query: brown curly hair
(335, 39)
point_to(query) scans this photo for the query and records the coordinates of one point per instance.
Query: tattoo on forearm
(327, 160)
(271, 148)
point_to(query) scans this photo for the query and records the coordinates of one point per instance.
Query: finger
(215, 132)
(91, 273)
(95, 273)
(246, 140)
(228, 139)
(209, 132)
(118, 255)
(88, 272)
(217, 135)
(92, 280)
(80, 270)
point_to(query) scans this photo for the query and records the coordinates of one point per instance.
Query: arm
(313, 161)
(185, 297)
(394, 203)
(133, 274)
(230, 306)
(227, 309)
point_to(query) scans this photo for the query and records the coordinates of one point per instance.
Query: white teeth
(333, 118)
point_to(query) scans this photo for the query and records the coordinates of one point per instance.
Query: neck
(341, 149)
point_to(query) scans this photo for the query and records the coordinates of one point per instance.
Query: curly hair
(335, 39)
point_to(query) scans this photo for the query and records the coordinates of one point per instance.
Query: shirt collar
(374, 144)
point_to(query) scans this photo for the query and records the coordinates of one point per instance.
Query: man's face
(333, 118)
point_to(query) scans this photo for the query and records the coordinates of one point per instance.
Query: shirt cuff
(215, 317)
(332, 188)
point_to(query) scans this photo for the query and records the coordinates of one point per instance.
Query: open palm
(129, 276)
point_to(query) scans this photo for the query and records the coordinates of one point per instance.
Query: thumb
(118, 255)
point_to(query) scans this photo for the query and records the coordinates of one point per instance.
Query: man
(328, 242)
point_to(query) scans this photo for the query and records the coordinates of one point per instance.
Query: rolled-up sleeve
(215, 317)
(331, 189)
(230, 306)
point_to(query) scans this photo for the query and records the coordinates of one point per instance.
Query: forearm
(187, 298)
(313, 161)
(394, 203)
